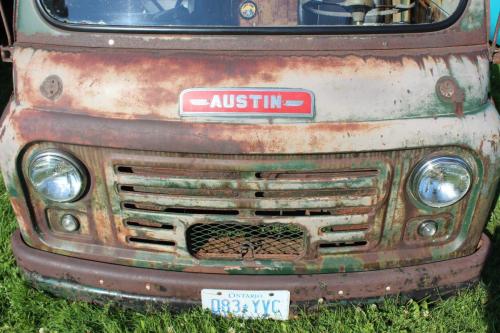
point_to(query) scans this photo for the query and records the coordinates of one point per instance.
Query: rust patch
(186, 287)
(194, 137)
(146, 85)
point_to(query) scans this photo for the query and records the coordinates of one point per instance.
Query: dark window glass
(245, 13)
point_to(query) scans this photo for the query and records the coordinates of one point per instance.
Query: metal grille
(150, 200)
(235, 241)
(220, 207)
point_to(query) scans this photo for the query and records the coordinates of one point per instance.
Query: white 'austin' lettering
(255, 99)
(241, 101)
(230, 101)
(276, 102)
(216, 102)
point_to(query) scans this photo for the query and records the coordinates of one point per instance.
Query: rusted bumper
(138, 287)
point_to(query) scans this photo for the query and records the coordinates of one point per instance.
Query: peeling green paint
(390, 209)
(474, 16)
(388, 225)
(29, 22)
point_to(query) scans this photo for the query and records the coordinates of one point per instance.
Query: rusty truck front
(250, 156)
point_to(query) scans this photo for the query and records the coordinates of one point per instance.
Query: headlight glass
(441, 181)
(57, 176)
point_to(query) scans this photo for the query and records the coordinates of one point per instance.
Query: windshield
(246, 13)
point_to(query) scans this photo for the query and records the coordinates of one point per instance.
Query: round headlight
(56, 176)
(441, 181)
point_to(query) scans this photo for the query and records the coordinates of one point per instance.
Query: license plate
(248, 304)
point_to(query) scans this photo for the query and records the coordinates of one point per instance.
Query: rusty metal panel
(145, 85)
(350, 229)
(384, 102)
(22, 126)
(212, 143)
(468, 30)
(102, 283)
(189, 190)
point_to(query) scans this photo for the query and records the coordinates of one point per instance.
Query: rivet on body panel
(52, 87)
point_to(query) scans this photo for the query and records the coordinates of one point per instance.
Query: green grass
(23, 309)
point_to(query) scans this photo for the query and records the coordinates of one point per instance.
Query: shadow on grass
(491, 272)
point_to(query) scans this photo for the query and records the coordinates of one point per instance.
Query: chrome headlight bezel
(431, 163)
(80, 169)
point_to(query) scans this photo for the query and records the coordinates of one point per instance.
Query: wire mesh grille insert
(246, 242)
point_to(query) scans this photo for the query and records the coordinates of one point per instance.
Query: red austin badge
(233, 102)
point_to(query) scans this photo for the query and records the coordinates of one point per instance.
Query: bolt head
(70, 223)
(427, 228)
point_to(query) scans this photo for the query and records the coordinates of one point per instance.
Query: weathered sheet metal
(367, 86)
(101, 283)
(114, 97)
(469, 30)
(479, 132)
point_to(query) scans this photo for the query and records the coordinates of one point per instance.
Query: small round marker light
(70, 223)
(427, 228)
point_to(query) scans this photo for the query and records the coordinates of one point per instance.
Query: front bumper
(138, 287)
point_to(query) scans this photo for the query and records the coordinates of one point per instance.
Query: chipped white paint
(351, 89)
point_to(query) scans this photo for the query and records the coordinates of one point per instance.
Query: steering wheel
(177, 15)
(358, 10)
